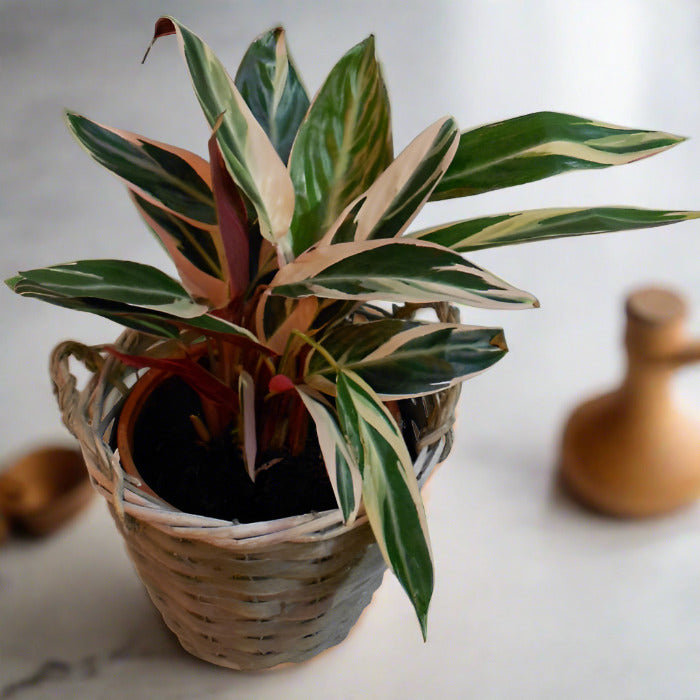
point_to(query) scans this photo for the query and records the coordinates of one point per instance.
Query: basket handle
(64, 382)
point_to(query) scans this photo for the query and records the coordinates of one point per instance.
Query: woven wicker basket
(245, 596)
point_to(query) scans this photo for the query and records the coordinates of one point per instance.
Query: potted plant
(266, 468)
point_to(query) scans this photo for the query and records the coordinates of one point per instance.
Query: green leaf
(539, 145)
(250, 157)
(343, 144)
(196, 250)
(268, 81)
(171, 177)
(399, 359)
(135, 317)
(400, 270)
(397, 195)
(343, 471)
(389, 489)
(540, 224)
(120, 281)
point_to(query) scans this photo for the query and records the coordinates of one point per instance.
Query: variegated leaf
(271, 313)
(401, 270)
(399, 359)
(397, 195)
(332, 312)
(250, 157)
(539, 145)
(268, 81)
(120, 281)
(135, 317)
(165, 175)
(196, 250)
(343, 144)
(389, 488)
(276, 318)
(246, 400)
(343, 471)
(299, 316)
(540, 224)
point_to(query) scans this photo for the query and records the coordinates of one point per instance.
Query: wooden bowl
(44, 489)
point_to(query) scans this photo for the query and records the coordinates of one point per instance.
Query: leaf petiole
(326, 355)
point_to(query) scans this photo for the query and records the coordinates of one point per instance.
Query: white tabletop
(535, 598)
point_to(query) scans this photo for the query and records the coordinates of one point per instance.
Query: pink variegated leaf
(246, 398)
(170, 177)
(393, 200)
(196, 250)
(298, 315)
(276, 317)
(397, 270)
(248, 153)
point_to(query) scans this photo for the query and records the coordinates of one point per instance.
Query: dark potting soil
(211, 479)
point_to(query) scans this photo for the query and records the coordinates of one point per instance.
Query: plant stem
(317, 347)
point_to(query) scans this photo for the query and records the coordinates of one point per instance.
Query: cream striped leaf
(170, 177)
(389, 488)
(250, 157)
(343, 144)
(343, 471)
(400, 270)
(540, 224)
(277, 317)
(390, 204)
(539, 145)
(400, 359)
(196, 250)
(129, 315)
(268, 81)
(118, 281)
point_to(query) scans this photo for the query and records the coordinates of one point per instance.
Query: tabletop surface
(535, 597)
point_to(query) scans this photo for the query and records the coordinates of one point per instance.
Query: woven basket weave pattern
(245, 596)
(283, 603)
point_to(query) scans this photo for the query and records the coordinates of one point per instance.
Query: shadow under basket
(244, 596)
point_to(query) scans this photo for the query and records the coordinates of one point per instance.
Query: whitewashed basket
(245, 596)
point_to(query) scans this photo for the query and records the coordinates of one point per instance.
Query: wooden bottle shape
(632, 452)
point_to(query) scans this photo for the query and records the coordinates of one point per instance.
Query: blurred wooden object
(44, 489)
(4, 528)
(632, 452)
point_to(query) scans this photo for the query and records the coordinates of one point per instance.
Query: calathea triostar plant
(291, 236)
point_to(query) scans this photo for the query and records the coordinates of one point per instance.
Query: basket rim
(92, 414)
